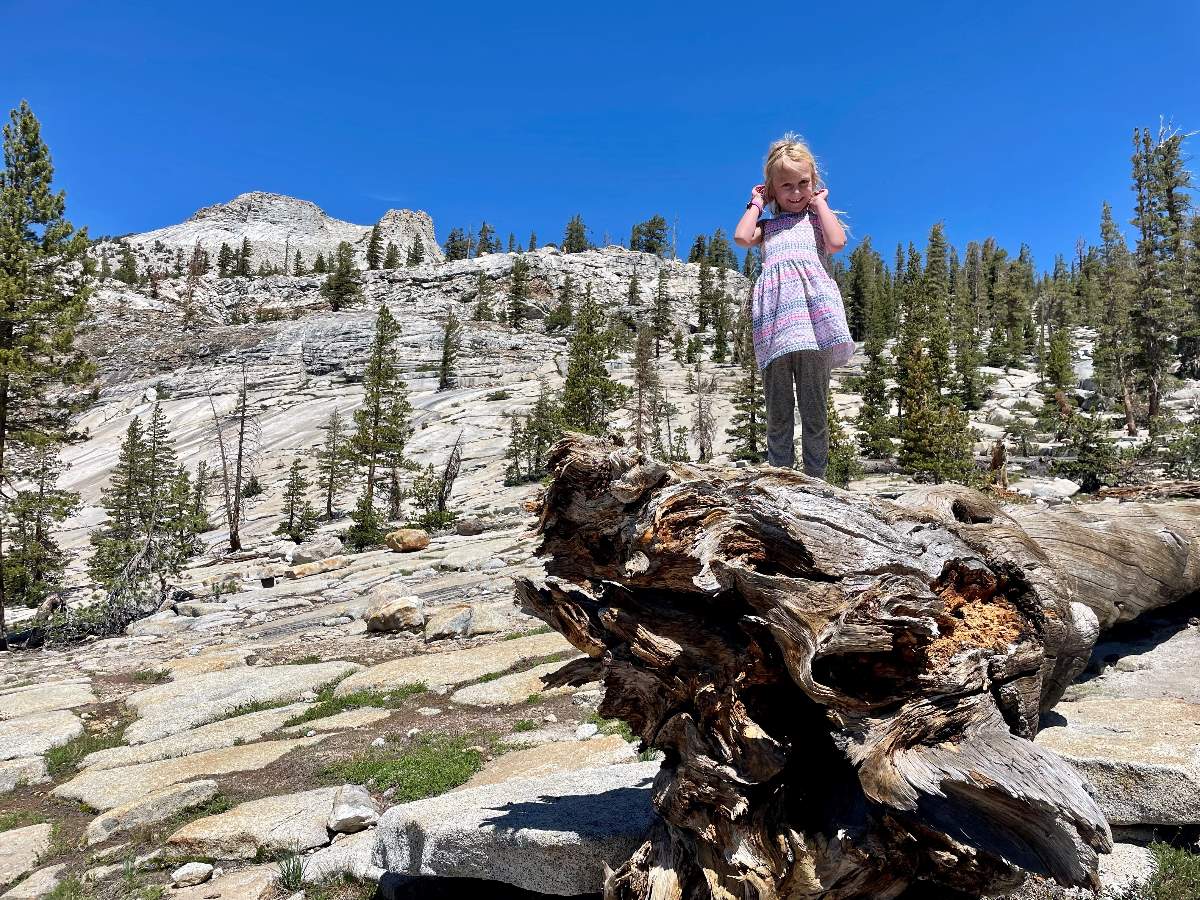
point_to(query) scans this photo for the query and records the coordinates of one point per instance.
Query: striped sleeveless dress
(796, 304)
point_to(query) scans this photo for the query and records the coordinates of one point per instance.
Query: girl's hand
(819, 198)
(759, 193)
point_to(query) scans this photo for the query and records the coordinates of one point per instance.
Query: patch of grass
(612, 726)
(151, 676)
(65, 759)
(291, 873)
(328, 705)
(344, 887)
(534, 699)
(1178, 876)
(213, 807)
(304, 660)
(67, 889)
(430, 765)
(20, 819)
(258, 706)
(525, 725)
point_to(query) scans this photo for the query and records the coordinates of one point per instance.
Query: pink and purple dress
(796, 303)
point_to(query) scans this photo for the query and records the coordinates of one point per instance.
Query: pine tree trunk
(845, 689)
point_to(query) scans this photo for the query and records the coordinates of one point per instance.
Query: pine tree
(874, 416)
(533, 244)
(483, 311)
(298, 265)
(935, 290)
(589, 395)
(561, 316)
(864, 288)
(645, 388)
(244, 256)
(660, 320)
(634, 296)
(35, 562)
(1059, 372)
(752, 266)
(704, 298)
(909, 352)
(43, 297)
(106, 271)
(699, 250)
(416, 253)
(381, 428)
(843, 466)
(391, 258)
(575, 239)
(512, 243)
(518, 292)
(374, 248)
(457, 246)
(487, 241)
(334, 460)
(299, 517)
(720, 252)
(319, 266)
(650, 236)
(224, 261)
(127, 270)
(1115, 350)
(704, 426)
(342, 286)
(177, 263)
(748, 427)
(451, 342)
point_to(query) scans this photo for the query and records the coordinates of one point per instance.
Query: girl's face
(792, 185)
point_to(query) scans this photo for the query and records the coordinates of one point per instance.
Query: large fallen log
(844, 689)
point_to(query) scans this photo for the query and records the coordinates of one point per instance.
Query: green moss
(429, 766)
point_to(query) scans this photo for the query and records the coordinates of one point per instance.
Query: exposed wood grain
(844, 689)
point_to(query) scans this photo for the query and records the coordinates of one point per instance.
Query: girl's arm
(748, 232)
(831, 228)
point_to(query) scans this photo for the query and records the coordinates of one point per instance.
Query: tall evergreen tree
(720, 252)
(299, 517)
(43, 298)
(416, 253)
(127, 270)
(483, 312)
(561, 316)
(374, 248)
(451, 343)
(319, 265)
(645, 388)
(589, 395)
(650, 236)
(487, 241)
(748, 427)
(1115, 349)
(34, 561)
(224, 261)
(243, 258)
(518, 291)
(457, 245)
(334, 460)
(381, 429)
(575, 239)
(533, 244)
(660, 320)
(935, 289)
(699, 249)
(342, 286)
(843, 465)
(391, 256)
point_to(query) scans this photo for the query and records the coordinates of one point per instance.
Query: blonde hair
(792, 148)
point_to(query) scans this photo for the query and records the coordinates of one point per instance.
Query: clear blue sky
(1009, 119)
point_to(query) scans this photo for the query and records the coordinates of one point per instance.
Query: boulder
(407, 540)
(390, 609)
(34, 735)
(26, 770)
(318, 567)
(353, 810)
(511, 690)
(253, 883)
(553, 834)
(317, 549)
(486, 620)
(554, 759)
(1124, 873)
(38, 885)
(447, 621)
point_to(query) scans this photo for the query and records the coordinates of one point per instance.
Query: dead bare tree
(237, 446)
(845, 689)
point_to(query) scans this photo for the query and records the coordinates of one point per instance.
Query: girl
(800, 330)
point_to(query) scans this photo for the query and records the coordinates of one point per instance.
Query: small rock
(353, 810)
(379, 742)
(412, 733)
(586, 730)
(469, 526)
(407, 540)
(550, 717)
(191, 873)
(486, 620)
(493, 565)
(448, 621)
(428, 711)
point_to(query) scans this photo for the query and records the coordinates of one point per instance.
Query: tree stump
(845, 689)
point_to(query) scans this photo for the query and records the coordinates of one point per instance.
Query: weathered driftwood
(844, 689)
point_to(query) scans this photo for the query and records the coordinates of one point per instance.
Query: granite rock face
(552, 834)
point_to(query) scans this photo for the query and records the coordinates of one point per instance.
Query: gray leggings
(803, 376)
